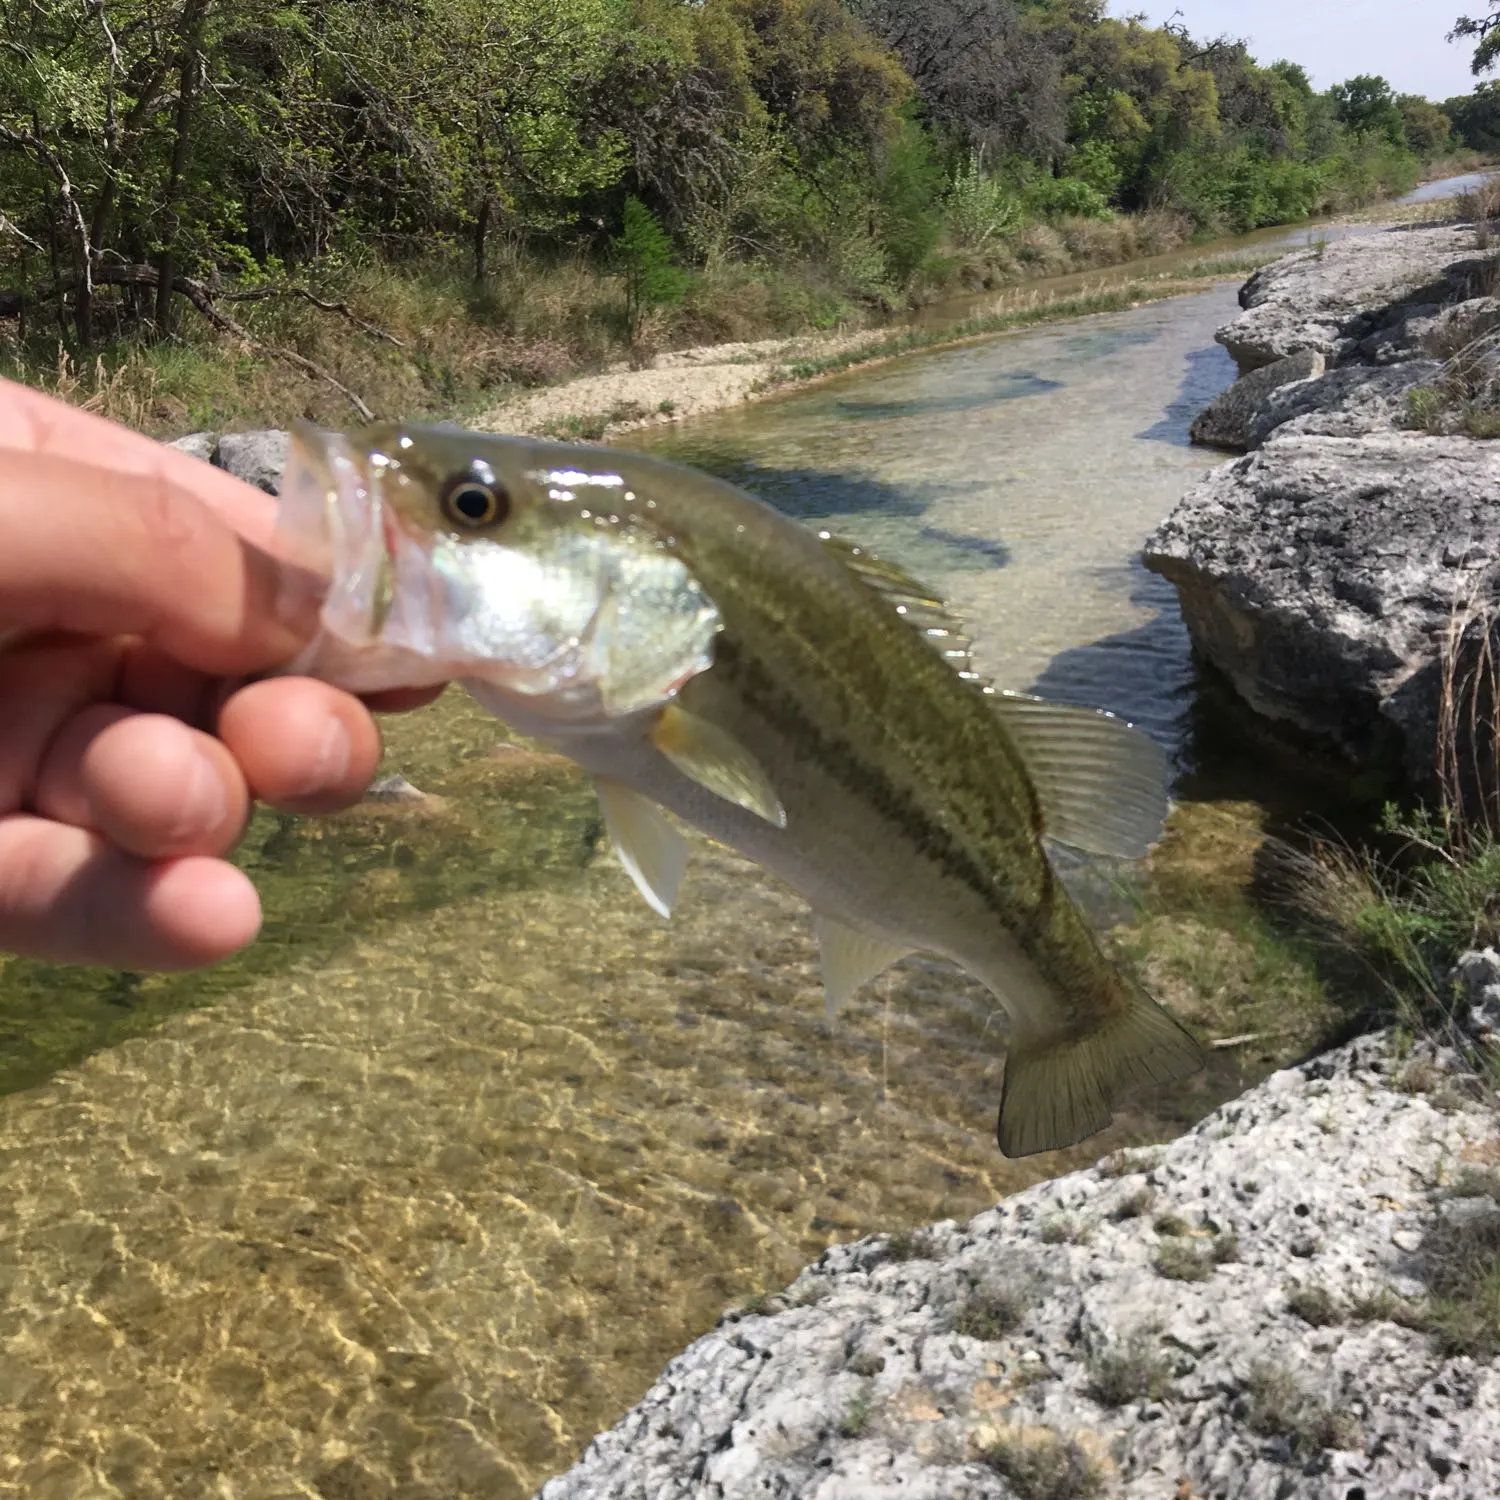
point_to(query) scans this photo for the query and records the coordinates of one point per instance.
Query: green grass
(1406, 914)
(856, 1415)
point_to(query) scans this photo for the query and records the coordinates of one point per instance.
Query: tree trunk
(193, 15)
(481, 232)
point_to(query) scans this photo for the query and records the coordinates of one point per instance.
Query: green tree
(1428, 130)
(1367, 105)
(1476, 117)
(1485, 32)
(644, 252)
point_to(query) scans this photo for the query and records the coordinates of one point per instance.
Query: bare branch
(25, 140)
(260, 293)
(10, 226)
(202, 298)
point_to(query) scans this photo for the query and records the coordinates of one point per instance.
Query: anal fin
(653, 852)
(1060, 1088)
(850, 958)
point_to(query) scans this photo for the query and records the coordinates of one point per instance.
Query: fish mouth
(333, 523)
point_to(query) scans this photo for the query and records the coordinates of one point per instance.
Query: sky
(1403, 40)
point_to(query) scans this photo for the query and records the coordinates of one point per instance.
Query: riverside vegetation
(420, 211)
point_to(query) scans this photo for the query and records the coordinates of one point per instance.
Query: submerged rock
(394, 788)
(1211, 1318)
(1320, 575)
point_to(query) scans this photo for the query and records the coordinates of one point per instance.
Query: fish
(780, 689)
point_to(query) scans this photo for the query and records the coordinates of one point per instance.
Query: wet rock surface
(1208, 1319)
(1322, 575)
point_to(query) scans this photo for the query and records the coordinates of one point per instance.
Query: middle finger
(152, 785)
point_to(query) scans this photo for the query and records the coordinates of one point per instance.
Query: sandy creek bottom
(422, 1191)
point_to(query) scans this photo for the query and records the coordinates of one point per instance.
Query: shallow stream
(423, 1190)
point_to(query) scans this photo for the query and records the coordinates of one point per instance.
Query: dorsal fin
(922, 609)
(1101, 782)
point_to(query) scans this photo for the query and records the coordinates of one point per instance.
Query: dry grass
(1133, 1369)
(1280, 1408)
(991, 1311)
(1404, 913)
(456, 349)
(1040, 1465)
(1465, 395)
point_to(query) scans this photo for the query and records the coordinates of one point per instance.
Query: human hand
(137, 599)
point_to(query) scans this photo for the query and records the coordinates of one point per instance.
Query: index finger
(35, 424)
(139, 544)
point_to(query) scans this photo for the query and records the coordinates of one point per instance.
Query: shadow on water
(1009, 385)
(888, 516)
(1140, 674)
(1208, 372)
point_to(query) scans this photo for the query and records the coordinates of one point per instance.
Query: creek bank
(1322, 573)
(1210, 1319)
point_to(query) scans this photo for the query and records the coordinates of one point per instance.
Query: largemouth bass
(779, 689)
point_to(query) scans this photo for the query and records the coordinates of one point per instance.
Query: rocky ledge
(1323, 574)
(1212, 1320)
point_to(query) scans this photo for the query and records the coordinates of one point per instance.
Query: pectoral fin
(850, 958)
(653, 852)
(1102, 783)
(717, 762)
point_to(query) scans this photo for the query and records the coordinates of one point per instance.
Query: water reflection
(1448, 187)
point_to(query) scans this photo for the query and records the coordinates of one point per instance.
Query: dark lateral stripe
(838, 758)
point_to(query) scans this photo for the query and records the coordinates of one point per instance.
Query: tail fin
(1058, 1089)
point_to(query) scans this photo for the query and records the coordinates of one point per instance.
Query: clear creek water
(417, 1194)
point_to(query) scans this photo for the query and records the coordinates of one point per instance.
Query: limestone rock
(1229, 421)
(1320, 574)
(199, 444)
(256, 457)
(1374, 290)
(1477, 974)
(1342, 403)
(1046, 1332)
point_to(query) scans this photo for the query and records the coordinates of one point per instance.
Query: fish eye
(471, 502)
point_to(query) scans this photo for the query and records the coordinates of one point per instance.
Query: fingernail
(331, 765)
(204, 804)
